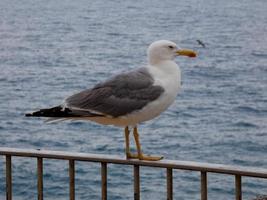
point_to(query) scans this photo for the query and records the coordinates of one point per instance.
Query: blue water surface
(51, 49)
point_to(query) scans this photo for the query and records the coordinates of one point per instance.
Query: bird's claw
(143, 157)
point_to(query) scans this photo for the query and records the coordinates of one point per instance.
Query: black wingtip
(28, 115)
(57, 111)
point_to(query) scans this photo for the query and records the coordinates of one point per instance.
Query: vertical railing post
(72, 179)
(40, 178)
(204, 187)
(238, 187)
(8, 178)
(136, 182)
(169, 184)
(104, 180)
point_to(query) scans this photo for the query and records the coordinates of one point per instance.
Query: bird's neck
(168, 75)
(152, 60)
(167, 66)
(168, 70)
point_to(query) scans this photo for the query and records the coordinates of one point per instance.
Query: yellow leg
(127, 144)
(140, 155)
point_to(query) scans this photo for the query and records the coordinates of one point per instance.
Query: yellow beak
(186, 52)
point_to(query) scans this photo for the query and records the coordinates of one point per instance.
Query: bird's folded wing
(120, 95)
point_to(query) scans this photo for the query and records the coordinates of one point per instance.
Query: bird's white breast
(168, 76)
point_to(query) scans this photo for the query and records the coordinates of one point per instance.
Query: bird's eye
(170, 47)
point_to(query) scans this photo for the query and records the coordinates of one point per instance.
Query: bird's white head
(165, 50)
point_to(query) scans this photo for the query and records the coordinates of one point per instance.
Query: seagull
(129, 98)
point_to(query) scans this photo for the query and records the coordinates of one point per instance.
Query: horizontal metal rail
(104, 160)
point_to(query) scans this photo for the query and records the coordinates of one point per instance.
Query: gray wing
(120, 95)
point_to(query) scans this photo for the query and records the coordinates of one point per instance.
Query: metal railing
(169, 165)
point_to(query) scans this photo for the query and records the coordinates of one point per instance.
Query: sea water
(52, 49)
